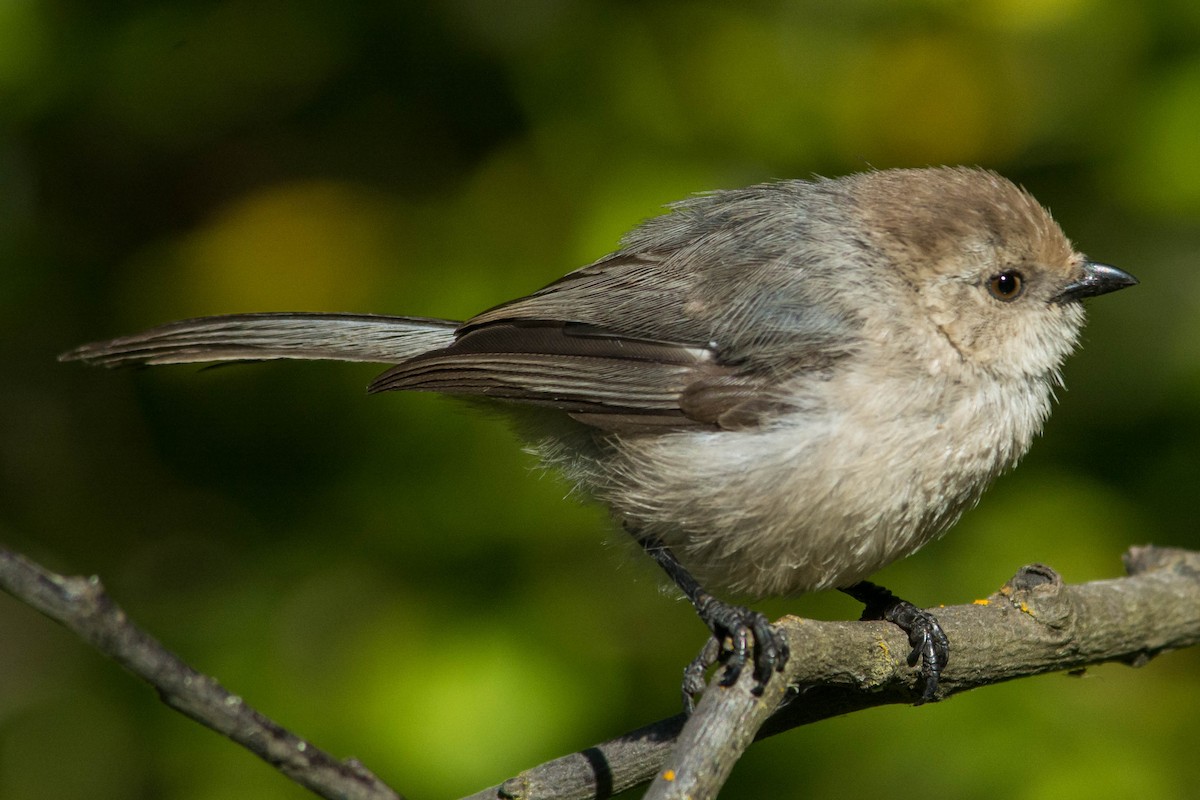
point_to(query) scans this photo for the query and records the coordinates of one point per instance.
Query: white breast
(822, 499)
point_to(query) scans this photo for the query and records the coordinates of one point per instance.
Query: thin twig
(82, 605)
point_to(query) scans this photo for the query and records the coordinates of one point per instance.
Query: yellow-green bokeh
(390, 576)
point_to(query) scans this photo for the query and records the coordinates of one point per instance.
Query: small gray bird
(776, 389)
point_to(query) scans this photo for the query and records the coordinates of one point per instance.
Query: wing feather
(572, 368)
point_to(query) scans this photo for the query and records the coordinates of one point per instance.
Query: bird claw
(930, 645)
(740, 636)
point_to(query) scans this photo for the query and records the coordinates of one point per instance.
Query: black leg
(929, 643)
(736, 630)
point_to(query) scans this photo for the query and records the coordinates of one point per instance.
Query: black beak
(1096, 279)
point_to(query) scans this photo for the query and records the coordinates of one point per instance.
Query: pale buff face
(984, 263)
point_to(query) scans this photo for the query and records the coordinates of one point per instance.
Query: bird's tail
(255, 337)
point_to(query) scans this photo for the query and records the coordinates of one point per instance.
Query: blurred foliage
(389, 575)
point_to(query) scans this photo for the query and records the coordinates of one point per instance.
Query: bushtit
(776, 389)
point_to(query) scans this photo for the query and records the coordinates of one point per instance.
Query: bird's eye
(1006, 286)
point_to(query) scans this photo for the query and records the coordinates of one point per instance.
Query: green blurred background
(390, 576)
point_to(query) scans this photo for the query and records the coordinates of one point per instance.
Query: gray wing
(636, 342)
(254, 337)
(702, 319)
(600, 377)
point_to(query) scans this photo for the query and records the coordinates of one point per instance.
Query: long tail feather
(254, 337)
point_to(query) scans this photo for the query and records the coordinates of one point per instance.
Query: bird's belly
(801, 507)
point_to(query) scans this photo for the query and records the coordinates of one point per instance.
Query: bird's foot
(739, 636)
(925, 635)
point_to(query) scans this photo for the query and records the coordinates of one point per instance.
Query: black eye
(1007, 286)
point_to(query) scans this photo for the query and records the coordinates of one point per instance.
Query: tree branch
(1033, 625)
(82, 606)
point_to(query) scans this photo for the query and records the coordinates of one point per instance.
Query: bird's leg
(737, 631)
(929, 643)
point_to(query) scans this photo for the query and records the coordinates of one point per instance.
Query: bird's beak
(1096, 279)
